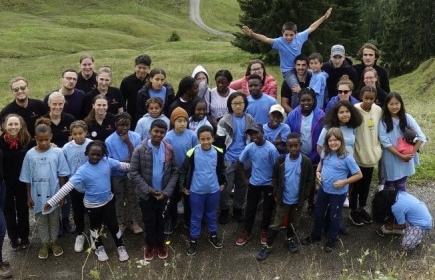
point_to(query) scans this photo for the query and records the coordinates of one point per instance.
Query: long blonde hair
(336, 132)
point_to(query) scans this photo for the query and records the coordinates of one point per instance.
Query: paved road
(195, 16)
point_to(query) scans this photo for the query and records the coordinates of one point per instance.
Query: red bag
(404, 147)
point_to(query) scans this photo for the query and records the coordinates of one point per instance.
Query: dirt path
(195, 16)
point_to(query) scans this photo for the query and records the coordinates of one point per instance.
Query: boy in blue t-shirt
(318, 78)
(258, 103)
(289, 45)
(275, 131)
(181, 140)
(263, 156)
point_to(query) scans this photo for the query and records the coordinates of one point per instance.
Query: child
(155, 86)
(275, 131)
(367, 153)
(187, 96)
(318, 78)
(74, 152)
(397, 167)
(181, 140)
(199, 117)
(231, 137)
(289, 45)
(44, 168)
(400, 210)
(94, 175)
(15, 141)
(201, 76)
(120, 146)
(263, 155)
(335, 172)
(154, 107)
(202, 178)
(258, 103)
(292, 179)
(154, 173)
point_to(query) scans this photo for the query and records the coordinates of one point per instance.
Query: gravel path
(195, 17)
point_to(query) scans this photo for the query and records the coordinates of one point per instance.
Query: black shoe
(355, 218)
(15, 245)
(191, 250)
(343, 230)
(214, 240)
(238, 215)
(25, 243)
(223, 217)
(329, 246)
(310, 240)
(292, 246)
(365, 217)
(169, 228)
(264, 253)
(67, 226)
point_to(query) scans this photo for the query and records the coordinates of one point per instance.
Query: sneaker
(392, 231)
(192, 247)
(214, 240)
(346, 203)
(292, 247)
(15, 245)
(148, 254)
(355, 218)
(101, 254)
(43, 251)
(381, 187)
(80, 243)
(135, 228)
(24, 244)
(5, 271)
(310, 240)
(180, 207)
(122, 254)
(169, 228)
(67, 227)
(245, 237)
(162, 253)
(329, 246)
(57, 250)
(264, 253)
(365, 217)
(263, 237)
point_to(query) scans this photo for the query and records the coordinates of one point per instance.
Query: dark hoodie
(336, 73)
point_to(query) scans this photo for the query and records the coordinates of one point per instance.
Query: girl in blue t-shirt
(94, 175)
(199, 117)
(333, 174)
(154, 107)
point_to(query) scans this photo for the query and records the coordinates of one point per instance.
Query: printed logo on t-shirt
(114, 101)
(65, 129)
(109, 127)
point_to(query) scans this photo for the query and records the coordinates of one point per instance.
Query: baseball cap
(254, 127)
(277, 108)
(337, 50)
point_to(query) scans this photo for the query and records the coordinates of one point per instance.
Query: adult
(112, 94)
(74, 98)
(369, 77)
(100, 122)
(257, 67)
(29, 109)
(217, 97)
(201, 76)
(290, 97)
(369, 55)
(131, 85)
(344, 89)
(87, 78)
(336, 67)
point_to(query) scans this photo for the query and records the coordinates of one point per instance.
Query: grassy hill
(42, 38)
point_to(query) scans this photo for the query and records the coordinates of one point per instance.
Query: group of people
(109, 152)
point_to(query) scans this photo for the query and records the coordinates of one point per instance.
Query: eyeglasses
(70, 78)
(19, 88)
(256, 69)
(343, 91)
(238, 103)
(369, 78)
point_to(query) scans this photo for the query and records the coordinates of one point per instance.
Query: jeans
(153, 215)
(203, 205)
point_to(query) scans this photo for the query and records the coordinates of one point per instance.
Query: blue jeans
(335, 204)
(203, 205)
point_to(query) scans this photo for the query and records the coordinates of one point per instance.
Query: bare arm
(318, 22)
(284, 104)
(248, 31)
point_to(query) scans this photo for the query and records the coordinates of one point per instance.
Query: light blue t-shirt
(118, 150)
(306, 135)
(411, 210)
(348, 135)
(75, 157)
(263, 159)
(204, 178)
(158, 165)
(259, 108)
(239, 141)
(334, 169)
(288, 52)
(270, 134)
(144, 124)
(42, 172)
(293, 169)
(181, 143)
(194, 125)
(318, 84)
(158, 93)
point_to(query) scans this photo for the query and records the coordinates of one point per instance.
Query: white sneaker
(346, 203)
(101, 254)
(80, 242)
(122, 253)
(180, 207)
(380, 187)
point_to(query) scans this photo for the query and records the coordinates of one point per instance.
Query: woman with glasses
(344, 93)
(257, 67)
(370, 78)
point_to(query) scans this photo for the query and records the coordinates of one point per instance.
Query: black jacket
(143, 95)
(336, 73)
